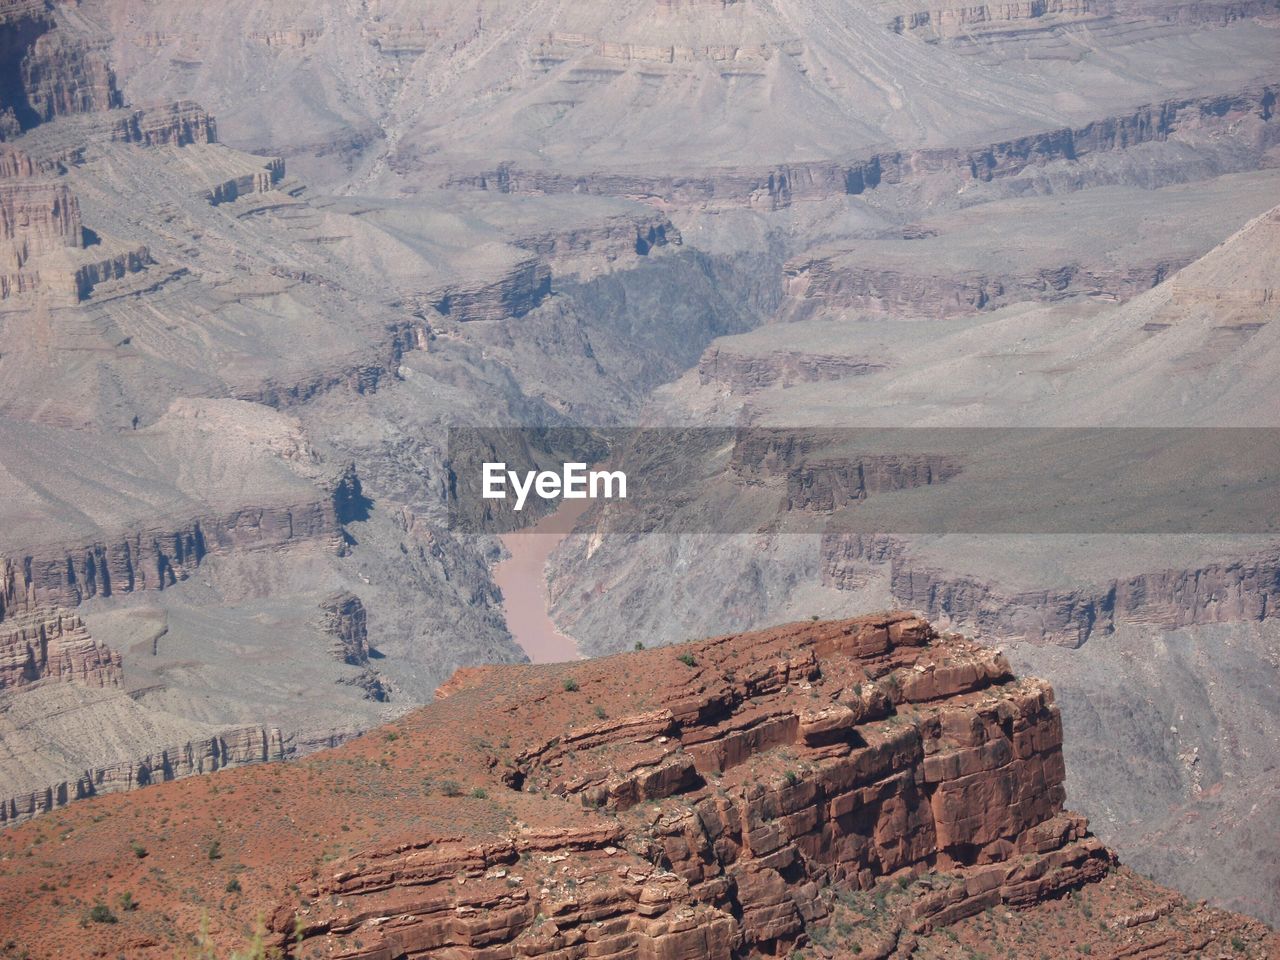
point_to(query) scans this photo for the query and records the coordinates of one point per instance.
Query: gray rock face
(256, 259)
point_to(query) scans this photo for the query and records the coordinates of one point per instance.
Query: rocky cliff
(229, 748)
(1245, 116)
(66, 575)
(54, 645)
(746, 374)
(1242, 589)
(862, 787)
(850, 283)
(48, 71)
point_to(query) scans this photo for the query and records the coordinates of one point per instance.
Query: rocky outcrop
(589, 248)
(559, 48)
(37, 216)
(728, 798)
(64, 576)
(977, 19)
(1222, 592)
(343, 619)
(818, 479)
(779, 764)
(514, 293)
(229, 749)
(176, 124)
(54, 646)
(746, 373)
(46, 71)
(257, 181)
(780, 186)
(841, 281)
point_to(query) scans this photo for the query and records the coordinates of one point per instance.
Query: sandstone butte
(862, 788)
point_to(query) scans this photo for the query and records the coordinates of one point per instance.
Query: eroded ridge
(728, 798)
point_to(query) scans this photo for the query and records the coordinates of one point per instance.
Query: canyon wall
(54, 646)
(1220, 592)
(219, 751)
(64, 576)
(779, 187)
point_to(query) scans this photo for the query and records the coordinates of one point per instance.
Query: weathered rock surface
(53, 646)
(218, 751)
(1242, 589)
(1247, 114)
(741, 374)
(730, 801)
(343, 618)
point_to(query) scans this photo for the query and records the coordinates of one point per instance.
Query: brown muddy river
(522, 578)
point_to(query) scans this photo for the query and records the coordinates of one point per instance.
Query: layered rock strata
(727, 798)
(54, 646)
(66, 575)
(230, 748)
(1245, 588)
(746, 374)
(1248, 113)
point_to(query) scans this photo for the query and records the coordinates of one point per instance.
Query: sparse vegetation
(570, 685)
(687, 659)
(101, 913)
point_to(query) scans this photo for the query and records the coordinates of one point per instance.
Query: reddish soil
(860, 788)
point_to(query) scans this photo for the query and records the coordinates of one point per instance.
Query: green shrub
(571, 685)
(687, 659)
(101, 913)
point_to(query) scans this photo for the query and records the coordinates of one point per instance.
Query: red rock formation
(721, 799)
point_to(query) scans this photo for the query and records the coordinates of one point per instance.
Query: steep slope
(863, 786)
(658, 88)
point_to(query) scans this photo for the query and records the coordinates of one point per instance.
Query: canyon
(255, 262)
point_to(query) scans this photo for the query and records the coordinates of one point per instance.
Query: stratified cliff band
(854, 788)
